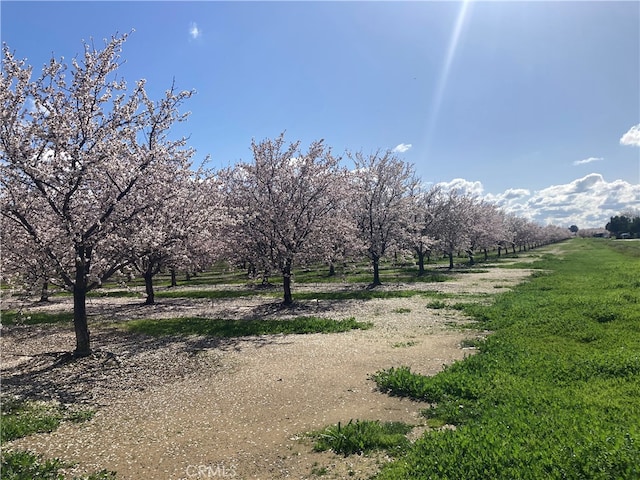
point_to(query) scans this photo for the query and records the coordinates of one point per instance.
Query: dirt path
(202, 409)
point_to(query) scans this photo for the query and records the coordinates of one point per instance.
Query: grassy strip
(211, 294)
(363, 436)
(217, 327)
(21, 418)
(361, 294)
(12, 317)
(553, 393)
(25, 465)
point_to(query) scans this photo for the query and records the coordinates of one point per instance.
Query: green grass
(554, 392)
(360, 294)
(25, 465)
(402, 310)
(210, 294)
(354, 294)
(363, 436)
(21, 417)
(436, 305)
(12, 317)
(217, 327)
(115, 293)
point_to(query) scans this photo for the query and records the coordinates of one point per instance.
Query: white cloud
(403, 147)
(587, 202)
(194, 31)
(632, 137)
(588, 160)
(463, 186)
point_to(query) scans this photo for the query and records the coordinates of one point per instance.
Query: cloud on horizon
(588, 160)
(632, 137)
(194, 31)
(588, 202)
(403, 147)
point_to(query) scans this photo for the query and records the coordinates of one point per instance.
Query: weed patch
(217, 327)
(22, 417)
(209, 294)
(363, 436)
(402, 310)
(436, 305)
(25, 465)
(12, 317)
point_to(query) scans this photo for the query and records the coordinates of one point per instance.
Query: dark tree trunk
(420, 262)
(174, 278)
(472, 260)
(148, 286)
(486, 254)
(83, 343)
(332, 270)
(376, 272)
(44, 291)
(451, 260)
(286, 282)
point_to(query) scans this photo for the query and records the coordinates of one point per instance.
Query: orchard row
(93, 186)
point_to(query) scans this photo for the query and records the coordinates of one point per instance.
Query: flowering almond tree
(453, 222)
(381, 186)
(485, 229)
(284, 202)
(177, 232)
(24, 267)
(421, 236)
(81, 158)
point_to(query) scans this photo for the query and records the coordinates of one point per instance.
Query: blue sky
(523, 102)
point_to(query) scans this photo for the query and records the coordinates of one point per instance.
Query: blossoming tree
(381, 187)
(82, 156)
(284, 204)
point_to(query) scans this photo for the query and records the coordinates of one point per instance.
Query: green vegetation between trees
(24, 465)
(363, 436)
(553, 393)
(218, 327)
(23, 417)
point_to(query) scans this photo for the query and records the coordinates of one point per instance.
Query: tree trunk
(486, 254)
(148, 286)
(44, 291)
(286, 282)
(83, 344)
(332, 270)
(376, 272)
(472, 260)
(174, 278)
(451, 260)
(420, 263)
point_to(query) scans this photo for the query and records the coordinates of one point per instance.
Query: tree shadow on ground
(121, 363)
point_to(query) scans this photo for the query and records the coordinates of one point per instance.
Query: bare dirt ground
(188, 408)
